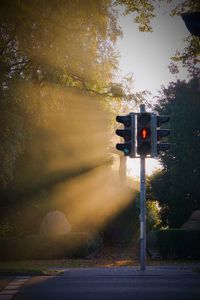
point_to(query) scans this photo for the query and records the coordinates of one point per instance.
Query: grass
(56, 267)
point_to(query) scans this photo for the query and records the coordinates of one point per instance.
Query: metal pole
(142, 209)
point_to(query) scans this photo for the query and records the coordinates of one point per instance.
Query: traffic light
(161, 133)
(144, 134)
(128, 134)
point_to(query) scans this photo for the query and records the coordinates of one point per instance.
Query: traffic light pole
(142, 208)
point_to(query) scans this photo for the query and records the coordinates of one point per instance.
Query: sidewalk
(165, 270)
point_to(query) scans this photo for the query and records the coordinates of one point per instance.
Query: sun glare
(133, 166)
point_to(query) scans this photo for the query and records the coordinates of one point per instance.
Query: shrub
(178, 243)
(73, 245)
(5, 228)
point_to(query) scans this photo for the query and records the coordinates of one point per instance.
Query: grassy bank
(107, 257)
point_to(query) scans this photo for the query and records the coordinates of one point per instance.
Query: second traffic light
(144, 134)
(128, 134)
(160, 146)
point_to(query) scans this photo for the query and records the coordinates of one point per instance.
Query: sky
(147, 56)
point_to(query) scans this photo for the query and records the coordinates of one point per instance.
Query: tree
(176, 187)
(53, 43)
(46, 45)
(55, 55)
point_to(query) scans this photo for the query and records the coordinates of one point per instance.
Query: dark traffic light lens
(144, 149)
(125, 133)
(144, 118)
(144, 133)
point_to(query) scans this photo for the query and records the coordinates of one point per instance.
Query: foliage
(8, 228)
(45, 45)
(152, 219)
(177, 243)
(57, 43)
(49, 50)
(5, 228)
(176, 187)
(144, 10)
(52, 55)
(189, 57)
(124, 228)
(152, 214)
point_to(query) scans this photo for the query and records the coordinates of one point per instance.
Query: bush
(178, 243)
(5, 228)
(73, 245)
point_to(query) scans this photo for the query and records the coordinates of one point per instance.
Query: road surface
(163, 283)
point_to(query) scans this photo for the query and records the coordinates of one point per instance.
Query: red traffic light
(144, 133)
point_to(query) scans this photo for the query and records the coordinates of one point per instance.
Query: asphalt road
(114, 283)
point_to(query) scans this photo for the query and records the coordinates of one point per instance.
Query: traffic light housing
(161, 133)
(128, 134)
(144, 134)
(144, 139)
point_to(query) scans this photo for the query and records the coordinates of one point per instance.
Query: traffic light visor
(162, 119)
(125, 133)
(126, 120)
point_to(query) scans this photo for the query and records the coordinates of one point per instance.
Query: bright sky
(147, 56)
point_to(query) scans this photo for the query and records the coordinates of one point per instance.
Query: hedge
(178, 243)
(73, 245)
